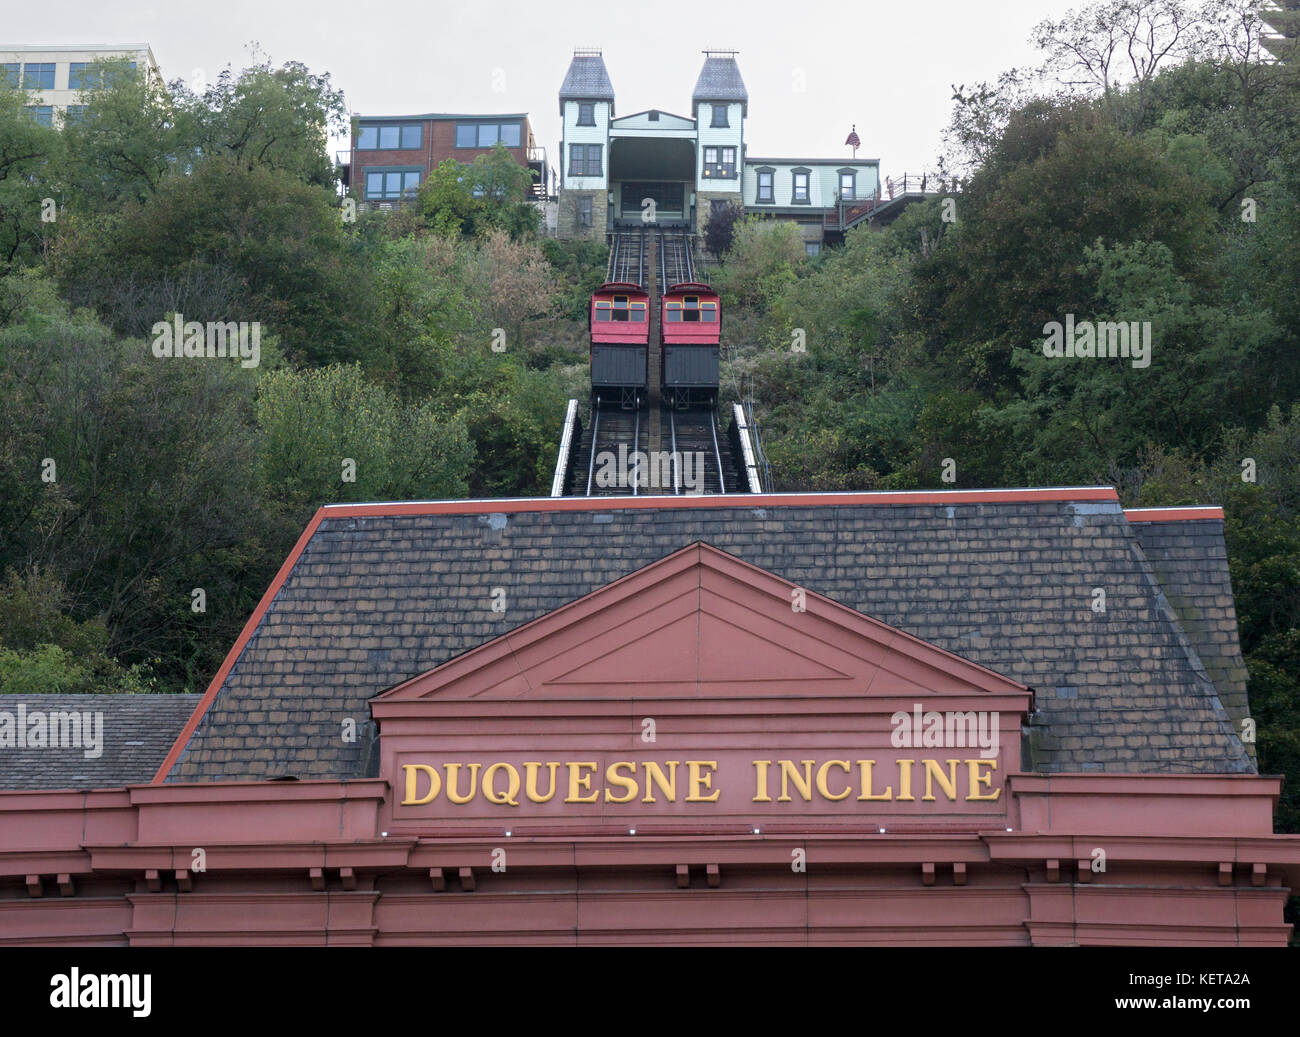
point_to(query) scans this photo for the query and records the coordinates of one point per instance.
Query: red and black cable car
(691, 321)
(619, 322)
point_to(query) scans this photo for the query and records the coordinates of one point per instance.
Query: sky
(813, 69)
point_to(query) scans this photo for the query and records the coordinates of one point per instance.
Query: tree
(1110, 42)
(490, 193)
(267, 117)
(720, 230)
(130, 479)
(226, 242)
(124, 142)
(329, 435)
(28, 156)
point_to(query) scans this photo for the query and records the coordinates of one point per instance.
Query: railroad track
(675, 265)
(627, 257)
(702, 462)
(615, 438)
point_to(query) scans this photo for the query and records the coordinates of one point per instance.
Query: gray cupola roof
(587, 80)
(720, 81)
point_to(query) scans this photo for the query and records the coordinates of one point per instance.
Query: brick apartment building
(392, 155)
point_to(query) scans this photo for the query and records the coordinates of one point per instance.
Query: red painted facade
(734, 668)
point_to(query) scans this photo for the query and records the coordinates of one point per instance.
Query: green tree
(329, 435)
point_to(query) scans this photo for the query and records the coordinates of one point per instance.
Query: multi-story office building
(57, 75)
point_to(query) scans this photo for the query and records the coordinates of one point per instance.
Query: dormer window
(586, 113)
(720, 117)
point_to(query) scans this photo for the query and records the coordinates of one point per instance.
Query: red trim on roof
(237, 649)
(1172, 514)
(730, 500)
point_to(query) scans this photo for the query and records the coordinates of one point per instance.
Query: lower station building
(965, 717)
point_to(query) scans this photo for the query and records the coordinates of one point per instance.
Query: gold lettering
(612, 777)
(654, 775)
(435, 784)
(760, 777)
(802, 782)
(578, 780)
(701, 778)
(821, 780)
(453, 782)
(512, 786)
(530, 782)
(977, 779)
(905, 780)
(865, 767)
(947, 782)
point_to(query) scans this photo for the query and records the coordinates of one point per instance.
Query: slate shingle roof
(587, 80)
(1190, 560)
(719, 80)
(377, 598)
(137, 730)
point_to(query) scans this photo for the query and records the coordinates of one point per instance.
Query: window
(13, 74)
(392, 184)
(584, 160)
(42, 113)
(620, 309)
(766, 187)
(813, 248)
(74, 113)
(720, 163)
(82, 77)
(586, 113)
(799, 196)
(584, 217)
(486, 134)
(720, 117)
(848, 184)
(406, 136)
(690, 310)
(38, 76)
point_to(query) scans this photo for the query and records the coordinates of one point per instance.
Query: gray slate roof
(137, 733)
(720, 80)
(1190, 560)
(374, 600)
(587, 80)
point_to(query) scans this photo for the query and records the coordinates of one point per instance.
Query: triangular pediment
(701, 624)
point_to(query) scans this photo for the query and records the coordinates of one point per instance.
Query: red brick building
(392, 155)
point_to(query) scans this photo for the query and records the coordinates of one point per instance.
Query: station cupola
(720, 82)
(587, 80)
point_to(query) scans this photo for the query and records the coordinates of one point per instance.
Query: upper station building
(613, 168)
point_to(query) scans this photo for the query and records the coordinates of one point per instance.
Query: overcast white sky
(888, 67)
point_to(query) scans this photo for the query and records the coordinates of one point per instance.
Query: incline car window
(620, 310)
(691, 310)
